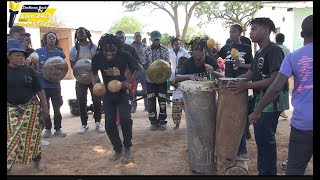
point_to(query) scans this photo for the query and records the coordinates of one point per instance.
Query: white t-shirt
(174, 58)
(177, 93)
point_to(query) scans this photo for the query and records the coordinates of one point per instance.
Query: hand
(237, 86)
(253, 117)
(44, 115)
(209, 68)
(195, 78)
(28, 60)
(237, 62)
(125, 84)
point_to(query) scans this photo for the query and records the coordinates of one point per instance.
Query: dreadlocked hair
(44, 39)
(267, 22)
(198, 43)
(108, 39)
(76, 41)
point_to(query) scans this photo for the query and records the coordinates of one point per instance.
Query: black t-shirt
(245, 56)
(114, 69)
(189, 67)
(131, 50)
(266, 61)
(22, 84)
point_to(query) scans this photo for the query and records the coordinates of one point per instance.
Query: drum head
(82, 71)
(54, 69)
(198, 86)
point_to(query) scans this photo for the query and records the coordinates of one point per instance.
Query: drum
(232, 113)
(54, 69)
(200, 108)
(82, 71)
(159, 71)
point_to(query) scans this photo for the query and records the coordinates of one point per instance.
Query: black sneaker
(126, 154)
(153, 127)
(115, 156)
(162, 127)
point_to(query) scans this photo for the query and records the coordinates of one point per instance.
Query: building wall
(299, 15)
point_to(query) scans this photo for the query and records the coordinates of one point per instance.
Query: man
(85, 49)
(286, 51)
(243, 39)
(112, 63)
(300, 65)
(262, 73)
(120, 35)
(154, 52)
(18, 33)
(235, 68)
(51, 89)
(141, 48)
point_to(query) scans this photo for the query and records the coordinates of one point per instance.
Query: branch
(163, 8)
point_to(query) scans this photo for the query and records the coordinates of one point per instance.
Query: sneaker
(44, 143)
(153, 127)
(83, 129)
(243, 157)
(115, 156)
(284, 165)
(162, 127)
(100, 127)
(126, 154)
(47, 134)
(60, 134)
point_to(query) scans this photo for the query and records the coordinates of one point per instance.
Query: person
(51, 89)
(120, 35)
(18, 33)
(175, 53)
(85, 49)
(235, 67)
(177, 96)
(112, 63)
(25, 113)
(262, 73)
(300, 65)
(243, 39)
(154, 52)
(141, 48)
(279, 41)
(199, 66)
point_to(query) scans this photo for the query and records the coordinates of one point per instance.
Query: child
(25, 114)
(177, 96)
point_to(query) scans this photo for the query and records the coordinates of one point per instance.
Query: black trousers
(81, 92)
(160, 91)
(55, 95)
(110, 102)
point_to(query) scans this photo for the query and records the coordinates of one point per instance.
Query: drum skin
(82, 71)
(54, 69)
(159, 71)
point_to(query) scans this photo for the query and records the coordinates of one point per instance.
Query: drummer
(235, 67)
(51, 89)
(85, 49)
(199, 66)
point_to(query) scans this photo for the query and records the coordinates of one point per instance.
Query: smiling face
(109, 51)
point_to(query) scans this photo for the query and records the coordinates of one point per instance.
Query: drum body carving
(82, 71)
(159, 71)
(54, 69)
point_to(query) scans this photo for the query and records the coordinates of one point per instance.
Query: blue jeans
(264, 131)
(300, 151)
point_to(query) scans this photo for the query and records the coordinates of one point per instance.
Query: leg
(134, 97)
(57, 103)
(144, 88)
(300, 151)
(242, 151)
(96, 105)
(162, 91)
(151, 89)
(177, 106)
(111, 126)
(48, 123)
(81, 92)
(167, 95)
(264, 130)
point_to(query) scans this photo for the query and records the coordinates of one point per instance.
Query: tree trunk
(176, 22)
(185, 28)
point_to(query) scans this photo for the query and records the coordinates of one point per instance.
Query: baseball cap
(155, 35)
(16, 45)
(18, 29)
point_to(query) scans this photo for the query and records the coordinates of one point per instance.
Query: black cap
(18, 29)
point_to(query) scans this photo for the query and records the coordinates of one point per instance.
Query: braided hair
(198, 43)
(108, 39)
(76, 41)
(266, 22)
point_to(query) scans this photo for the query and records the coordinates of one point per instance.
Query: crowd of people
(266, 72)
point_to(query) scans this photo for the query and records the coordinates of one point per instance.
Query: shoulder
(274, 47)
(40, 50)
(164, 48)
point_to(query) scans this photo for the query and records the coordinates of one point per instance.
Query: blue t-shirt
(300, 65)
(44, 55)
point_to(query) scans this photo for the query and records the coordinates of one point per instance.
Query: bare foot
(39, 165)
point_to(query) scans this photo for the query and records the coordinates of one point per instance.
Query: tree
(194, 32)
(129, 25)
(231, 12)
(166, 39)
(171, 8)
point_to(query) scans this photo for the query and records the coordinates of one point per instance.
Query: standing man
(262, 73)
(300, 65)
(51, 89)
(235, 67)
(85, 49)
(286, 51)
(141, 48)
(112, 63)
(156, 51)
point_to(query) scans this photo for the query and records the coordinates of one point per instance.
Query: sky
(100, 15)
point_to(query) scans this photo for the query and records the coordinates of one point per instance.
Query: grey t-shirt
(85, 52)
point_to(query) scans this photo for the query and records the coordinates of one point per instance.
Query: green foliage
(166, 40)
(129, 25)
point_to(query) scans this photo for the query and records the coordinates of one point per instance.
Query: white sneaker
(100, 127)
(83, 129)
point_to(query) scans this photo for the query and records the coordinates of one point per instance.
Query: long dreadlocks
(262, 21)
(108, 39)
(198, 43)
(76, 41)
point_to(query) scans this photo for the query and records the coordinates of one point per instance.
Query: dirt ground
(154, 152)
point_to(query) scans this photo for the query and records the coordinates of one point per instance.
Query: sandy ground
(154, 152)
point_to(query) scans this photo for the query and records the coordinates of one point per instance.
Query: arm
(248, 59)
(94, 70)
(166, 55)
(244, 66)
(248, 75)
(72, 56)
